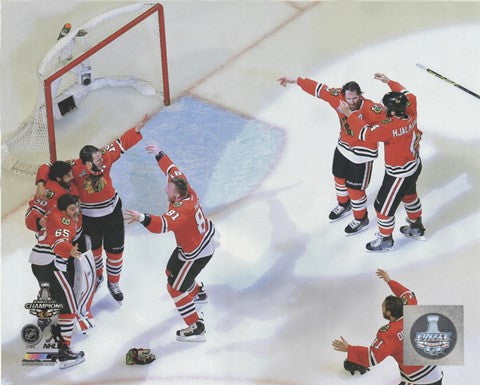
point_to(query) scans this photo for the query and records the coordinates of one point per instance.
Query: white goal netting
(104, 51)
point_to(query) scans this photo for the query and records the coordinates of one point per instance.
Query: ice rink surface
(285, 282)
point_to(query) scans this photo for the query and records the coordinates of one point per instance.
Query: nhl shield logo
(31, 334)
(433, 336)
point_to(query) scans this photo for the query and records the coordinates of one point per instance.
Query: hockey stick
(448, 81)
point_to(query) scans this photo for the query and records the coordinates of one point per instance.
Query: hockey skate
(66, 356)
(201, 297)
(380, 245)
(115, 291)
(357, 226)
(339, 211)
(193, 333)
(414, 229)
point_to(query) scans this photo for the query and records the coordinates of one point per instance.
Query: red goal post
(122, 47)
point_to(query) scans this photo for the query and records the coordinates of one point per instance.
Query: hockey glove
(139, 356)
(352, 367)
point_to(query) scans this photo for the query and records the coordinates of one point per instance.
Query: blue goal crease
(224, 156)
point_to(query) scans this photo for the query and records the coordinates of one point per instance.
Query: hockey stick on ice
(448, 81)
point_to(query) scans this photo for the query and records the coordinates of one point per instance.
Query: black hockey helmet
(395, 101)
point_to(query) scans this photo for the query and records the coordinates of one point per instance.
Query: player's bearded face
(384, 311)
(73, 211)
(67, 178)
(353, 100)
(97, 161)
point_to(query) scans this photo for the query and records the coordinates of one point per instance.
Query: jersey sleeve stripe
(371, 358)
(363, 133)
(165, 225)
(119, 142)
(318, 88)
(169, 168)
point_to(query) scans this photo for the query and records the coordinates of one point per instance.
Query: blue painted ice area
(224, 156)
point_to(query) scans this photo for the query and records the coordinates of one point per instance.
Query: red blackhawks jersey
(389, 342)
(55, 241)
(194, 232)
(98, 197)
(400, 135)
(348, 145)
(37, 207)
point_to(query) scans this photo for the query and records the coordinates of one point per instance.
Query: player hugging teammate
(364, 124)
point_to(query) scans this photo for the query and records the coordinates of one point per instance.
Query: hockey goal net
(122, 47)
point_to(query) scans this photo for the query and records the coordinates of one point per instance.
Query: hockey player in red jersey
(352, 161)
(196, 239)
(49, 260)
(389, 339)
(100, 204)
(401, 136)
(59, 182)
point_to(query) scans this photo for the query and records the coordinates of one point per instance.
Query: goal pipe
(163, 50)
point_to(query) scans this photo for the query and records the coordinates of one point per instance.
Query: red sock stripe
(184, 303)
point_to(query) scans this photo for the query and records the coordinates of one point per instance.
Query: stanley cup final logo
(437, 341)
(40, 346)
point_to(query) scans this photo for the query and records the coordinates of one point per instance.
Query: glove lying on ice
(352, 367)
(139, 356)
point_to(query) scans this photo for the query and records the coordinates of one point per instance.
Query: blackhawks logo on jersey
(377, 108)
(65, 221)
(50, 194)
(384, 328)
(177, 204)
(386, 121)
(94, 183)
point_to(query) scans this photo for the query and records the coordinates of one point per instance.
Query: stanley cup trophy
(433, 323)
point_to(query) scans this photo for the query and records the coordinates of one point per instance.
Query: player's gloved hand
(352, 367)
(74, 253)
(41, 191)
(139, 356)
(152, 149)
(141, 123)
(284, 81)
(133, 216)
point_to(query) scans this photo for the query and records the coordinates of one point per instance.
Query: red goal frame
(157, 8)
